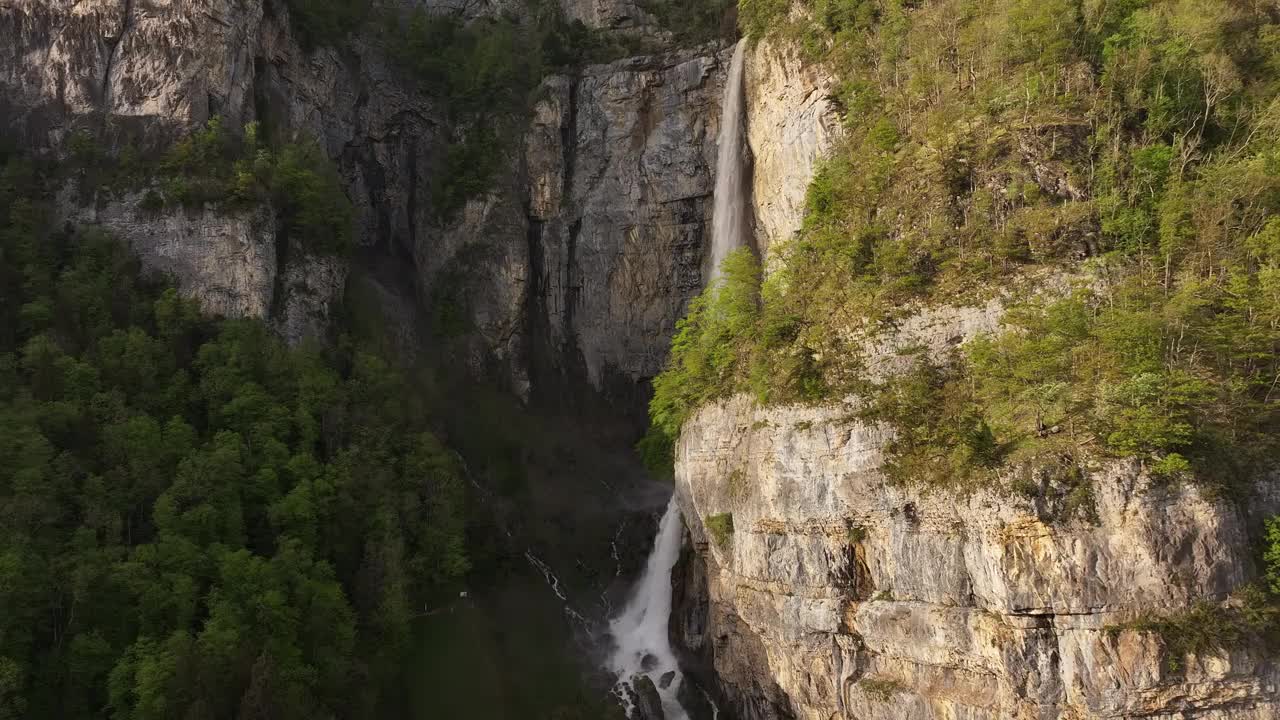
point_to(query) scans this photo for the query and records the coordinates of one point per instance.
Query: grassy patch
(882, 689)
(721, 528)
(1210, 628)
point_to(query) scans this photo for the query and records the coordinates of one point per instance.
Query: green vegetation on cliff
(485, 73)
(216, 166)
(992, 149)
(198, 521)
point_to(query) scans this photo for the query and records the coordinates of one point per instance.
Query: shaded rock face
(648, 704)
(839, 595)
(226, 261)
(573, 268)
(308, 286)
(619, 165)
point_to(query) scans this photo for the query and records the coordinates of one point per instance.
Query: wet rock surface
(648, 702)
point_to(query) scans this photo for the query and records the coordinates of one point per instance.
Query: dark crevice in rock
(412, 202)
(572, 294)
(569, 142)
(113, 47)
(536, 322)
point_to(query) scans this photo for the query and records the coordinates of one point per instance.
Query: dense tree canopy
(195, 520)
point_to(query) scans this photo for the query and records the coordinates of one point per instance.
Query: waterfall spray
(729, 221)
(640, 632)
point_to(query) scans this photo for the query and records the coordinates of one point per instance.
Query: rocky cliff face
(620, 164)
(793, 121)
(147, 73)
(577, 263)
(838, 595)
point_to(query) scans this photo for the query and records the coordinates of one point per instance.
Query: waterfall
(729, 222)
(640, 632)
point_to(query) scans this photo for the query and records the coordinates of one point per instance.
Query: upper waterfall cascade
(729, 223)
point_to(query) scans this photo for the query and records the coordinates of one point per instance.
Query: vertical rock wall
(838, 595)
(620, 165)
(573, 268)
(793, 120)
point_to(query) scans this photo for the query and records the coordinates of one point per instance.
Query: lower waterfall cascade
(642, 643)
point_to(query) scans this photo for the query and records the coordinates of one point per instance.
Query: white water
(729, 224)
(640, 632)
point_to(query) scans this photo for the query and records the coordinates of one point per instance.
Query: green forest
(198, 522)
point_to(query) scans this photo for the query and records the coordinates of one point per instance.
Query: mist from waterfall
(729, 221)
(643, 646)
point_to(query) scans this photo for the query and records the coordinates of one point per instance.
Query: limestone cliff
(793, 121)
(816, 589)
(838, 595)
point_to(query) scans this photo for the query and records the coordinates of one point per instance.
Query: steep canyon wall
(573, 267)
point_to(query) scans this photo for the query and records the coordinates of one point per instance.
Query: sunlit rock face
(842, 595)
(792, 122)
(839, 595)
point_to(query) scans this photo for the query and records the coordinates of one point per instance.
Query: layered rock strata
(840, 595)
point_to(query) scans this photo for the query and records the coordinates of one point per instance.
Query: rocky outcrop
(225, 260)
(792, 121)
(145, 74)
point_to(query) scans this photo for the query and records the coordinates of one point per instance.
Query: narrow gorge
(584, 359)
